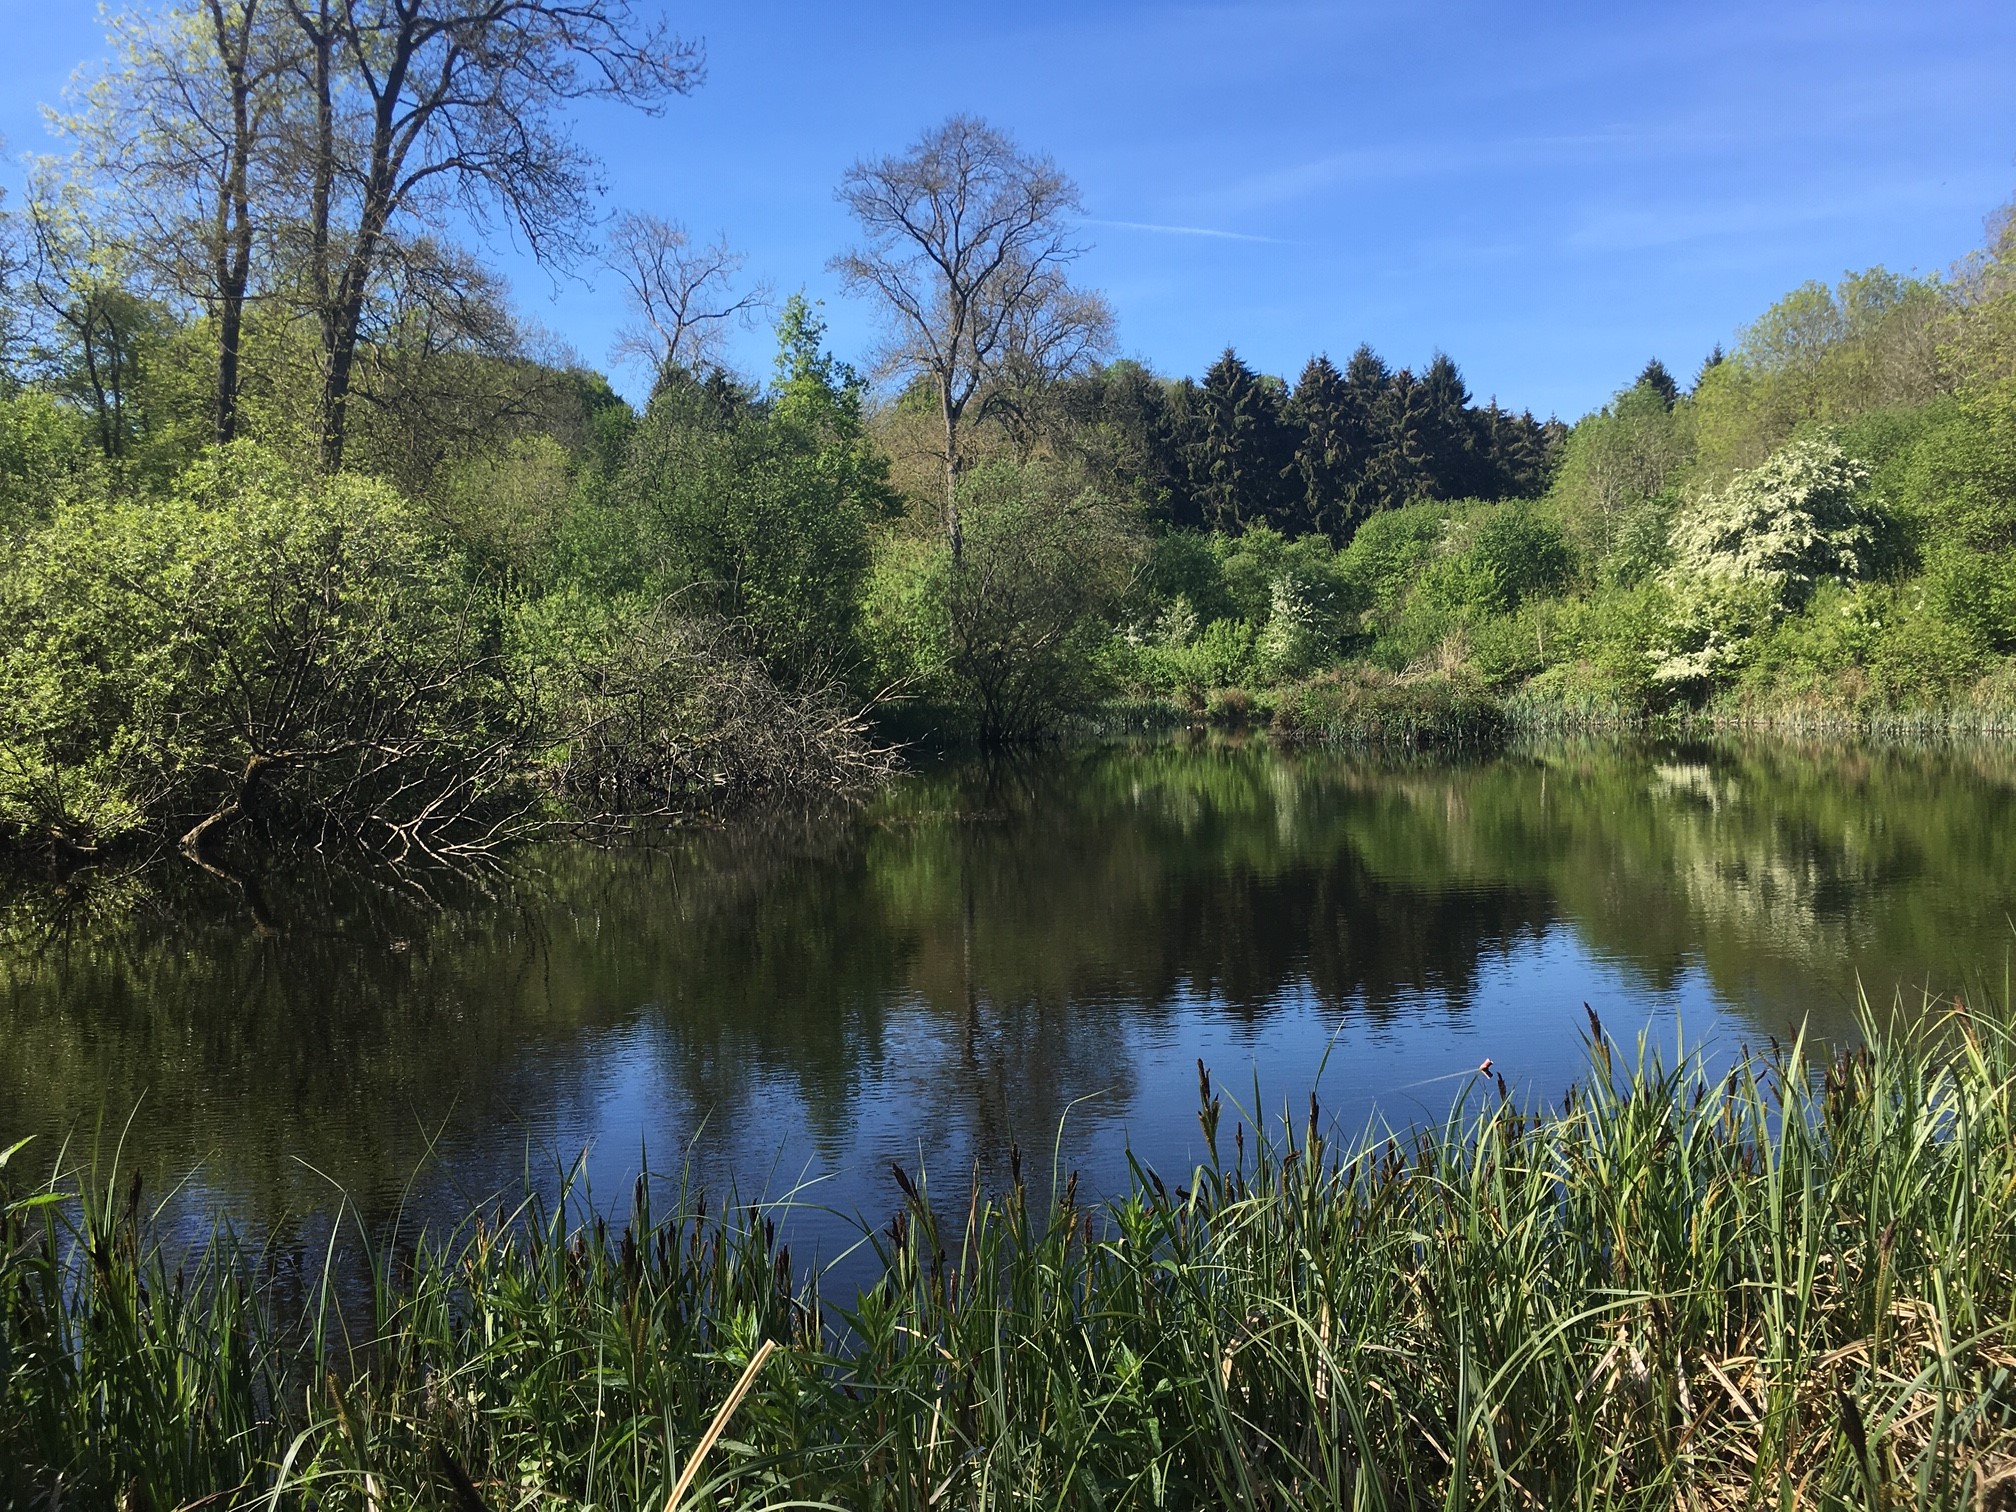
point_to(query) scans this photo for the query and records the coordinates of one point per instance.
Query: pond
(1032, 953)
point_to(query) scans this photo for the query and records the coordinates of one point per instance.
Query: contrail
(1239, 236)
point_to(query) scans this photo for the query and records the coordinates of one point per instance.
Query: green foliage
(507, 507)
(1749, 552)
(46, 454)
(755, 513)
(252, 650)
(1956, 484)
(1187, 662)
(1254, 566)
(1388, 553)
(1011, 635)
(644, 709)
(1363, 706)
(1821, 357)
(1616, 469)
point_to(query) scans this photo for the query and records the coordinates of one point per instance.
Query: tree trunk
(954, 530)
(233, 268)
(381, 199)
(321, 35)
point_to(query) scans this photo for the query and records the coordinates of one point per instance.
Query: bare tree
(91, 327)
(967, 245)
(181, 130)
(417, 105)
(682, 296)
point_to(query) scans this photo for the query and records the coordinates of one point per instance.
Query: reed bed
(1362, 706)
(1788, 1286)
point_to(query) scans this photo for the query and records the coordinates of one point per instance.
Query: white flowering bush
(1746, 554)
(1297, 636)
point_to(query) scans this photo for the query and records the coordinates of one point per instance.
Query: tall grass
(1360, 705)
(1790, 1286)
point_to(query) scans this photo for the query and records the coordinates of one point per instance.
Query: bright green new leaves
(247, 650)
(756, 509)
(1011, 632)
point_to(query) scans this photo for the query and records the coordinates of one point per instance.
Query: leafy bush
(750, 516)
(1187, 663)
(46, 454)
(1785, 526)
(1012, 634)
(1746, 553)
(249, 650)
(1956, 485)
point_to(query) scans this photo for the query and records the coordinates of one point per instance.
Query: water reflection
(989, 949)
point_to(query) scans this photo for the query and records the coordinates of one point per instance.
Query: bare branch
(967, 247)
(682, 297)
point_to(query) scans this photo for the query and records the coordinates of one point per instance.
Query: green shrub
(1186, 663)
(1012, 634)
(1746, 553)
(749, 516)
(1956, 486)
(248, 651)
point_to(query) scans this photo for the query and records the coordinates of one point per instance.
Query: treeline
(1821, 530)
(1240, 448)
(309, 539)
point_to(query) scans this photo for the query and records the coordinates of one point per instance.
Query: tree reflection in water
(983, 949)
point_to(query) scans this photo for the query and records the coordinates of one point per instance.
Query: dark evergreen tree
(1515, 453)
(1241, 452)
(1711, 362)
(1330, 443)
(1397, 464)
(1448, 435)
(1182, 443)
(1656, 378)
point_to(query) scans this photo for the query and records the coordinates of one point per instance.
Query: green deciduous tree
(183, 133)
(1615, 465)
(1010, 632)
(757, 510)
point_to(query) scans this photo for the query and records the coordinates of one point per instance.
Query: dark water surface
(989, 954)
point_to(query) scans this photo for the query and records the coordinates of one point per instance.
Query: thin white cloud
(1206, 231)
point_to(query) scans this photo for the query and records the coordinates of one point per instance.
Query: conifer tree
(1447, 435)
(1656, 378)
(1712, 361)
(1330, 440)
(1242, 450)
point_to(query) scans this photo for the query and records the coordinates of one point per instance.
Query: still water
(1035, 952)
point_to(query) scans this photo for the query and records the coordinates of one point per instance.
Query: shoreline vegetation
(1790, 1284)
(338, 555)
(314, 550)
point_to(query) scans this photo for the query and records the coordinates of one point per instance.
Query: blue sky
(1551, 193)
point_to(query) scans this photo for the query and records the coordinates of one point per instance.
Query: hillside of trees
(306, 538)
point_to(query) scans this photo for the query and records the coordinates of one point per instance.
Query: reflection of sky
(1523, 1012)
(938, 990)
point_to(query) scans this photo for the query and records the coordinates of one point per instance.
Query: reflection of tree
(979, 949)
